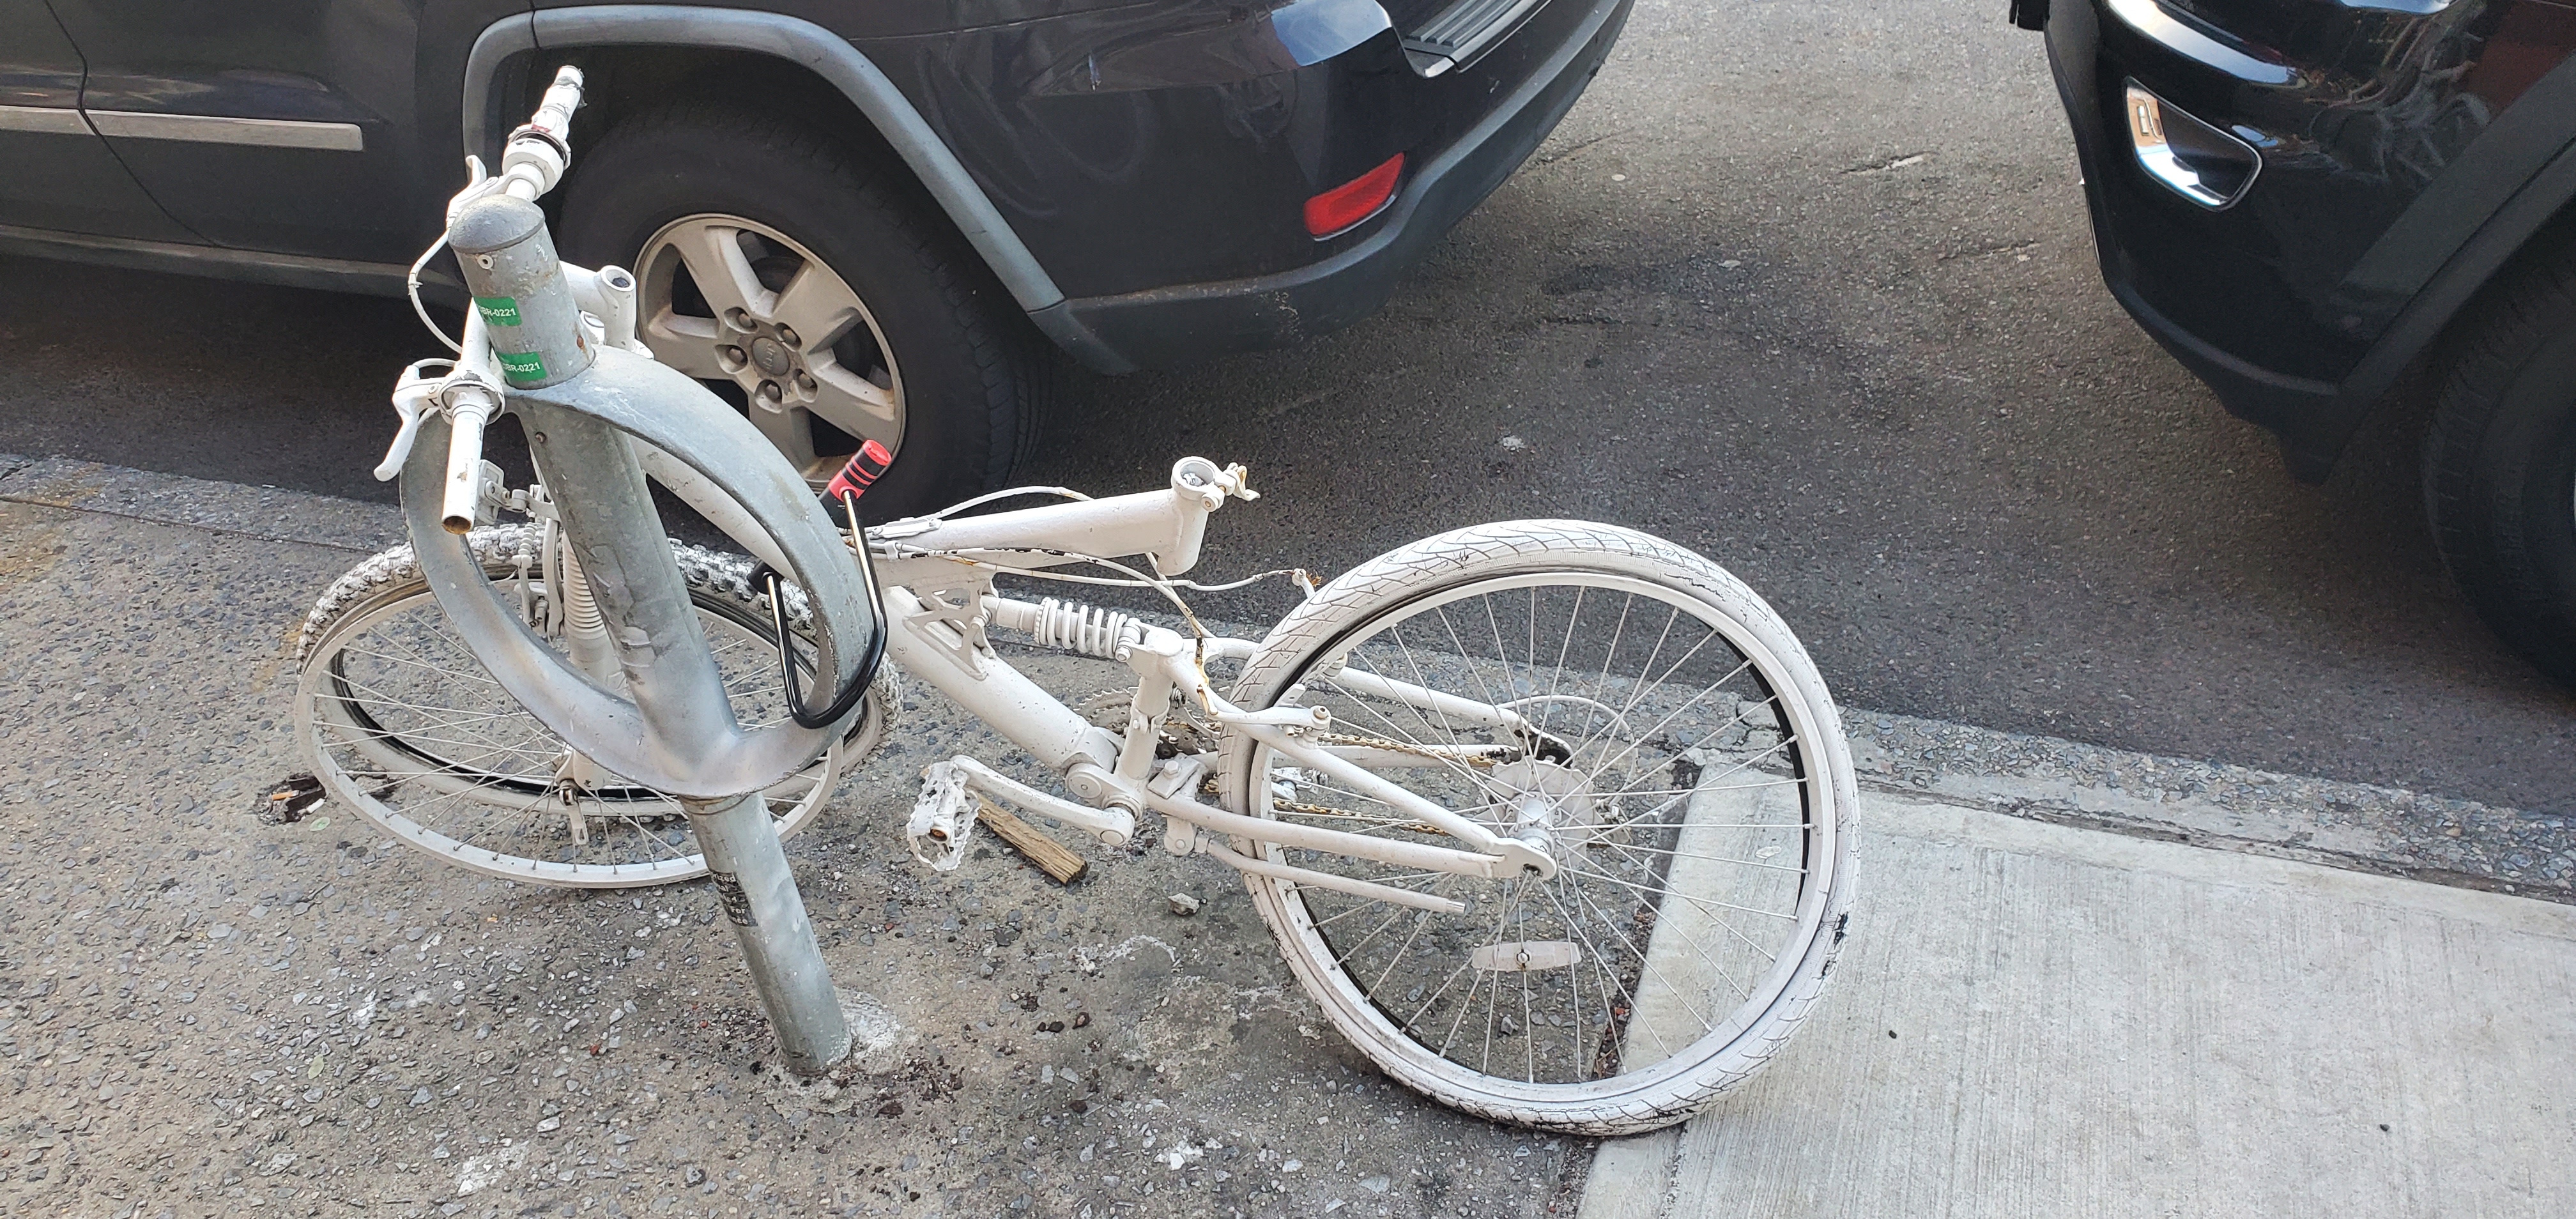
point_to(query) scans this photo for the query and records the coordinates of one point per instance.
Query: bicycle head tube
(530, 320)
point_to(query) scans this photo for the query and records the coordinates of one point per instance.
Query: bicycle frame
(935, 576)
(937, 580)
(630, 675)
(641, 697)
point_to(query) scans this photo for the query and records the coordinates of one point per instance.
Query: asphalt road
(1807, 287)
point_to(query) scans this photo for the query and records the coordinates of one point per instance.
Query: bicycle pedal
(942, 816)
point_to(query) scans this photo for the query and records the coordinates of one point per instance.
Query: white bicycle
(1549, 817)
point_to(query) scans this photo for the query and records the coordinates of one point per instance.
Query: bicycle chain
(1374, 742)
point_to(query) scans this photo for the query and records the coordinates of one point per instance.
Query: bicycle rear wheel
(401, 724)
(1676, 753)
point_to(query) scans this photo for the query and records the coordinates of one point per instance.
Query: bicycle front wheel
(401, 724)
(1641, 715)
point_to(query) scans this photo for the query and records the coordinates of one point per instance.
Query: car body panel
(1166, 326)
(1142, 161)
(1084, 136)
(62, 176)
(509, 45)
(1066, 140)
(2396, 139)
(323, 156)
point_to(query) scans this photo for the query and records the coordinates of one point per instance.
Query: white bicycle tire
(390, 583)
(1477, 557)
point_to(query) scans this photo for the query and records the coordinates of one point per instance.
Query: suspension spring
(581, 610)
(585, 628)
(1087, 629)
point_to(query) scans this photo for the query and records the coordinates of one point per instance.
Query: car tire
(923, 349)
(2500, 463)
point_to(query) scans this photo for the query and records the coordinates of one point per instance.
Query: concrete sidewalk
(2036, 1020)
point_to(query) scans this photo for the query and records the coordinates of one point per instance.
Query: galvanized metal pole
(608, 517)
(759, 896)
(609, 520)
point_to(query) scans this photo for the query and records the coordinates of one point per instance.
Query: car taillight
(1353, 201)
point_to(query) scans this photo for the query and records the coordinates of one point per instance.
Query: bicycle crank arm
(1113, 826)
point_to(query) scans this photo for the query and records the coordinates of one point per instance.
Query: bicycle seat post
(536, 335)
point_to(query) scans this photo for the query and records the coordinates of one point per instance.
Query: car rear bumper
(1164, 326)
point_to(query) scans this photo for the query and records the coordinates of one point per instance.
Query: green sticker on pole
(521, 367)
(498, 310)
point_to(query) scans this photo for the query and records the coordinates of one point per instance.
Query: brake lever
(418, 395)
(414, 396)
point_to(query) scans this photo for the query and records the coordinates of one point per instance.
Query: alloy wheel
(746, 309)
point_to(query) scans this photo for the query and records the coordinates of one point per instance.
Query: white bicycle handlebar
(539, 153)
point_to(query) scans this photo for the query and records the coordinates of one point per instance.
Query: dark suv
(859, 219)
(2306, 200)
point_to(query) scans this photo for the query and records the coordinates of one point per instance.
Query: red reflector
(1355, 200)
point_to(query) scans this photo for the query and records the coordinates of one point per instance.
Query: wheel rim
(775, 330)
(1689, 895)
(403, 726)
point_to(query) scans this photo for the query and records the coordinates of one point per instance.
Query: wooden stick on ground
(1050, 856)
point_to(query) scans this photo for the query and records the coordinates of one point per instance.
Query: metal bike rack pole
(608, 518)
(680, 709)
(759, 896)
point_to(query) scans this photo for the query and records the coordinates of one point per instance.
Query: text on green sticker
(498, 310)
(522, 366)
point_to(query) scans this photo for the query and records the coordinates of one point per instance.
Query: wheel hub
(1543, 801)
(771, 355)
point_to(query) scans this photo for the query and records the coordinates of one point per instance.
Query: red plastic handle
(864, 468)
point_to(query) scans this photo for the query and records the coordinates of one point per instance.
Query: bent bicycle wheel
(401, 724)
(1635, 712)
